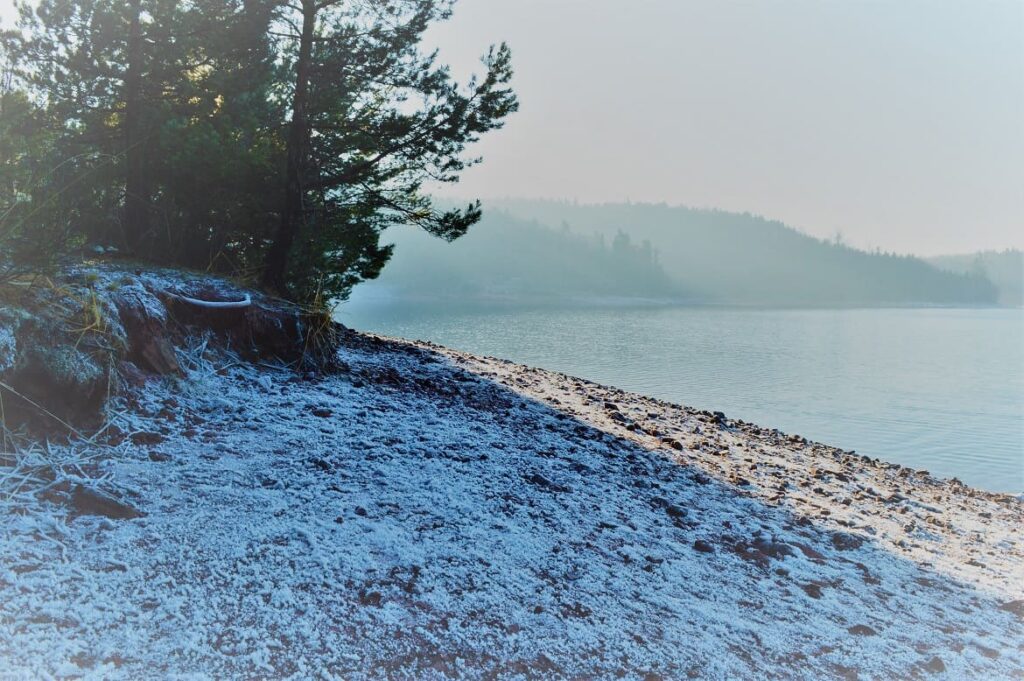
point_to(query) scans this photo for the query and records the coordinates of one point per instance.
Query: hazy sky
(898, 123)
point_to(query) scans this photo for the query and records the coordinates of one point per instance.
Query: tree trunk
(276, 264)
(136, 203)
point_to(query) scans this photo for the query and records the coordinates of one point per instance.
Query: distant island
(533, 250)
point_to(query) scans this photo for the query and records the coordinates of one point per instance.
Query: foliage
(34, 220)
(159, 111)
(210, 134)
(373, 118)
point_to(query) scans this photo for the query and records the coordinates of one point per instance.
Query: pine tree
(372, 118)
(34, 223)
(255, 136)
(128, 83)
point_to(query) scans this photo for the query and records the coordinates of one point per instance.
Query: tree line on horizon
(1003, 268)
(683, 255)
(505, 258)
(270, 138)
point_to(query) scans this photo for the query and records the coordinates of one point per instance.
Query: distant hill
(739, 258)
(505, 257)
(1005, 269)
(550, 250)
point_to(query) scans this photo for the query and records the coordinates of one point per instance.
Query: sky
(897, 124)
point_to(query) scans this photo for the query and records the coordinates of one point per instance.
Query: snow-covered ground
(430, 514)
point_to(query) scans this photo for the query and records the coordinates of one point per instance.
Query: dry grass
(31, 466)
(320, 339)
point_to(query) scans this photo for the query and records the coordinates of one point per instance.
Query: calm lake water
(937, 389)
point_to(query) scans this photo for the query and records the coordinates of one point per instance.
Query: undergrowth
(320, 342)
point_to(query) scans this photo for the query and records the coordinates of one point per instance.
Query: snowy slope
(430, 514)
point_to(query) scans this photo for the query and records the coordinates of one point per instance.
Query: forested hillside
(1005, 269)
(731, 258)
(507, 257)
(552, 249)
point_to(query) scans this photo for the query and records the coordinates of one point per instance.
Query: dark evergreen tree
(253, 136)
(372, 119)
(34, 224)
(143, 93)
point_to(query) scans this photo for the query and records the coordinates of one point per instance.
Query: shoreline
(935, 390)
(543, 301)
(430, 513)
(709, 440)
(737, 423)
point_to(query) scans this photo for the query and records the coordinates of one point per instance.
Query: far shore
(561, 301)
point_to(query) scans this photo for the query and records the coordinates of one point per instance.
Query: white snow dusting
(430, 514)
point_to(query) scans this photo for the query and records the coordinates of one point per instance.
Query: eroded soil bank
(423, 513)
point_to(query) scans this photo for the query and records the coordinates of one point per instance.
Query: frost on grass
(8, 348)
(10, 321)
(428, 514)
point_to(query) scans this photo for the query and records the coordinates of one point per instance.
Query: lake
(934, 389)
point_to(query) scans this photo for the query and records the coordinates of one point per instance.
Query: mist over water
(934, 389)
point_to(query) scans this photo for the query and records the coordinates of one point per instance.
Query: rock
(990, 653)
(86, 501)
(131, 375)
(703, 547)
(813, 590)
(145, 438)
(844, 541)
(321, 412)
(675, 511)
(144, 319)
(935, 666)
(845, 673)
(862, 630)
(761, 551)
(542, 482)
(1015, 608)
(371, 598)
(772, 549)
